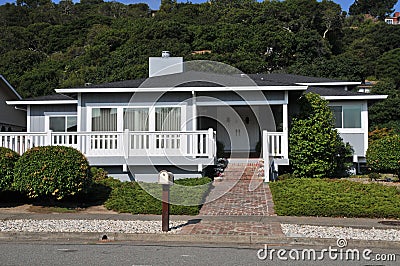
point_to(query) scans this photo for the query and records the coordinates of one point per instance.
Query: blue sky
(154, 4)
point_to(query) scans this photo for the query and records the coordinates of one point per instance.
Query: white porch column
(285, 142)
(194, 111)
(210, 140)
(265, 150)
(79, 113)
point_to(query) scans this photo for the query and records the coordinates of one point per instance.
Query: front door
(240, 132)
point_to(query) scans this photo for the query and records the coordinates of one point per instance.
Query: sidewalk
(239, 210)
(201, 234)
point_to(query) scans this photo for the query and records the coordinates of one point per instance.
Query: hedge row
(49, 171)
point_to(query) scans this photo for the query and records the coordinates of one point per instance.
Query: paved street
(151, 254)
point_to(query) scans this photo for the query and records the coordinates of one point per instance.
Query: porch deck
(143, 147)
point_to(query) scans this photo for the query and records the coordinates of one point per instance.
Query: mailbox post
(166, 179)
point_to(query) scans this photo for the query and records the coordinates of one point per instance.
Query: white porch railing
(128, 143)
(275, 145)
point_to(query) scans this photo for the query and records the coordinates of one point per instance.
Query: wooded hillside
(44, 46)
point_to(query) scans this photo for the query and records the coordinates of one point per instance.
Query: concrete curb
(195, 239)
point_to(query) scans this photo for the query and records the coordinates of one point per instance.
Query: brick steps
(242, 171)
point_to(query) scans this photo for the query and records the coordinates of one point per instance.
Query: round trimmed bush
(383, 155)
(52, 171)
(8, 158)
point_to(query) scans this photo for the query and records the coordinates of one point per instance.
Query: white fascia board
(338, 83)
(361, 97)
(41, 102)
(183, 89)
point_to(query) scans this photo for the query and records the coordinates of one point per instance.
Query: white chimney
(165, 54)
(165, 65)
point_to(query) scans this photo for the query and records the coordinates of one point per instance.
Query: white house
(174, 119)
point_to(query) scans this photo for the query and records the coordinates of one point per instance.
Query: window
(63, 123)
(337, 115)
(347, 116)
(168, 119)
(136, 119)
(104, 119)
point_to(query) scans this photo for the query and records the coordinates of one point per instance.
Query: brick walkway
(233, 228)
(240, 193)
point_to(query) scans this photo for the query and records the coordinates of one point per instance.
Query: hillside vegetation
(44, 46)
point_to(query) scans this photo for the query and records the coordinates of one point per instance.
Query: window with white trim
(104, 119)
(168, 118)
(347, 116)
(63, 123)
(136, 119)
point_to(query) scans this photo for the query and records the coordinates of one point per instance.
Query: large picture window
(168, 119)
(347, 116)
(63, 123)
(104, 119)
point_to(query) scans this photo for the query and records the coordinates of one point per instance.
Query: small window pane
(337, 115)
(72, 123)
(136, 119)
(352, 116)
(168, 119)
(57, 124)
(104, 119)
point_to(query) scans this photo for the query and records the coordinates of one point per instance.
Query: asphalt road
(39, 253)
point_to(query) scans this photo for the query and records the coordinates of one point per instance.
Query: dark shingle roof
(294, 79)
(323, 91)
(52, 97)
(206, 79)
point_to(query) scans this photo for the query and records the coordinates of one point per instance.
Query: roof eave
(42, 102)
(336, 83)
(356, 97)
(11, 87)
(183, 89)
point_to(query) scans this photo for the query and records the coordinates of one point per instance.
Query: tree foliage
(375, 8)
(8, 158)
(315, 147)
(45, 45)
(383, 155)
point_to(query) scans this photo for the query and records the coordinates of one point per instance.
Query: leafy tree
(383, 155)
(315, 147)
(387, 66)
(386, 114)
(375, 8)
(380, 133)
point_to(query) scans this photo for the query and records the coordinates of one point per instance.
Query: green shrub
(374, 176)
(383, 155)
(334, 198)
(8, 158)
(286, 176)
(51, 171)
(315, 146)
(98, 174)
(144, 198)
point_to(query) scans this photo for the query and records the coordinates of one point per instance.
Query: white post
(49, 140)
(266, 155)
(125, 143)
(285, 141)
(210, 144)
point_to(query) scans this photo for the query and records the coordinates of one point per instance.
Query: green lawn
(144, 198)
(127, 197)
(334, 198)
